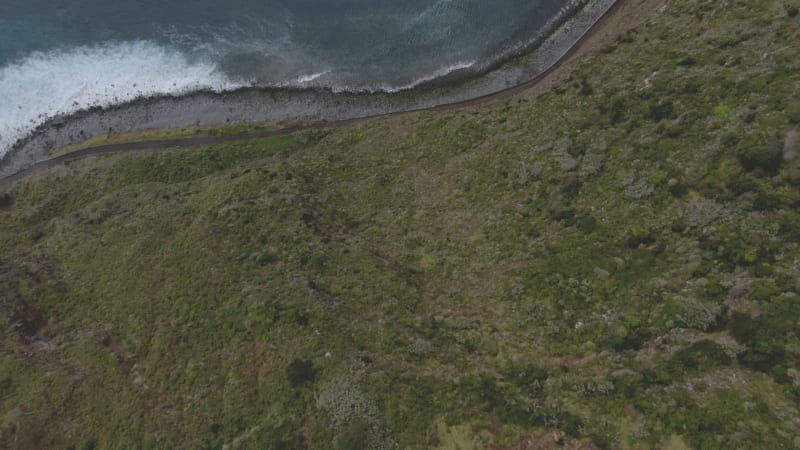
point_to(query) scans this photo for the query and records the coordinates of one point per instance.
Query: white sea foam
(44, 85)
(309, 78)
(304, 80)
(47, 84)
(438, 73)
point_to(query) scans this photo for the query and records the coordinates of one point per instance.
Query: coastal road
(199, 141)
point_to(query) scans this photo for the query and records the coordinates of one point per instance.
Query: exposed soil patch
(115, 347)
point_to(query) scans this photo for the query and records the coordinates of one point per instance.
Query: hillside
(609, 260)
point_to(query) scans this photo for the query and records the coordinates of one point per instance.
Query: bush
(678, 189)
(354, 436)
(587, 224)
(767, 201)
(764, 291)
(764, 157)
(355, 416)
(765, 337)
(701, 315)
(585, 88)
(727, 41)
(742, 183)
(702, 355)
(529, 378)
(660, 111)
(345, 403)
(789, 224)
(633, 339)
(502, 399)
(639, 237)
(300, 372)
(618, 111)
(5, 202)
(563, 214)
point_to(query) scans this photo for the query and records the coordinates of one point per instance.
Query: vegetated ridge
(611, 263)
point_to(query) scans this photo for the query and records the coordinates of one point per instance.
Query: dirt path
(622, 16)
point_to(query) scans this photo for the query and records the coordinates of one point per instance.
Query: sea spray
(58, 82)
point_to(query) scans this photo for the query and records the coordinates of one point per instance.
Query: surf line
(198, 141)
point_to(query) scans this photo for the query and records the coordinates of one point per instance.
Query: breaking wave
(49, 84)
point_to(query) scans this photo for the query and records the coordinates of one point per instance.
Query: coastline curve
(328, 108)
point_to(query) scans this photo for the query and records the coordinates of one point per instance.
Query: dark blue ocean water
(59, 56)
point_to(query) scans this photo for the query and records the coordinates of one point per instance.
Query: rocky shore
(279, 105)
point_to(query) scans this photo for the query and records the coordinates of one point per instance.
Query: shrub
(742, 183)
(701, 355)
(354, 436)
(727, 41)
(662, 110)
(678, 189)
(586, 88)
(618, 111)
(640, 237)
(355, 417)
(764, 291)
(5, 202)
(765, 337)
(767, 201)
(563, 214)
(701, 315)
(722, 111)
(529, 378)
(300, 372)
(789, 224)
(762, 157)
(587, 224)
(635, 337)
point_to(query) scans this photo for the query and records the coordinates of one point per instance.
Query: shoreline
(325, 107)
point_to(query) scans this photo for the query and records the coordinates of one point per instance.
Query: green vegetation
(169, 133)
(613, 264)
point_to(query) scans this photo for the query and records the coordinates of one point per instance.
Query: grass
(168, 133)
(612, 265)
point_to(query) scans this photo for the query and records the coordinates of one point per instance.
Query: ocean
(58, 57)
